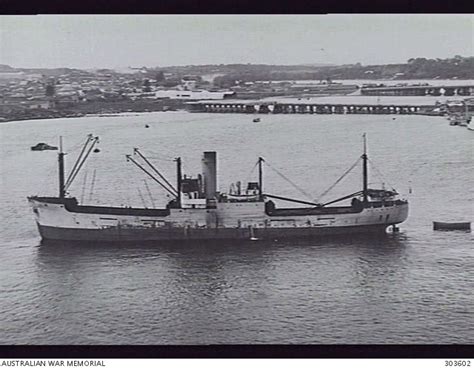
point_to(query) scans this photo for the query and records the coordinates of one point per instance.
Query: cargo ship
(199, 211)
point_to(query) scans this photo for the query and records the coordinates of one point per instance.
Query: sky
(118, 41)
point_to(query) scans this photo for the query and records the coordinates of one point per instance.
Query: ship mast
(62, 191)
(260, 178)
(364, 170)
(179, 179)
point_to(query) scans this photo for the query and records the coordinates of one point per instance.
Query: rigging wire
(45, 182)
(156, 156)
(149, 193)
(141, 197)
(92, 185)
(289, 181)
(174, 194)
(79, 158)
(379, 173)
(137, 151)
(75, 147)
(251, 172)
(338, 180)
(72, 176)
(83, 187)
(127, 201)
(410, 176)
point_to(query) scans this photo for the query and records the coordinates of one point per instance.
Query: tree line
(416, 68)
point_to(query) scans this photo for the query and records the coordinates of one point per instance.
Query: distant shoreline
(133, 108)
(92, 115)
(95, 108)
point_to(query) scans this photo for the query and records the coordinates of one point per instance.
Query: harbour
(231, 286)
(227, 184)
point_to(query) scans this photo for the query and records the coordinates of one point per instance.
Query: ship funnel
(209, 172)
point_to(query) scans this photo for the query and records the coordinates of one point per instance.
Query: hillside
(416, 68)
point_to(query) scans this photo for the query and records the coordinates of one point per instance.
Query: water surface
(411, 287)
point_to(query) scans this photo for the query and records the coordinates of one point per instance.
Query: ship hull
(134, 235)
(64, 221)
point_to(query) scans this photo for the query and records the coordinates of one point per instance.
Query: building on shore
(193, 94)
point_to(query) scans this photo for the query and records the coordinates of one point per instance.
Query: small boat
(458, 118)
(241, 198)
(256, 120)
(147, 126)
(235, 194)
(470, 126)
(43, 146)
(458, 121)
(451, 226)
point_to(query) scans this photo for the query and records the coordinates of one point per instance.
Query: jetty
(321, 105)
(419, 90)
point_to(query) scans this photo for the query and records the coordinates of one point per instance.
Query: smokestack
(209, 172)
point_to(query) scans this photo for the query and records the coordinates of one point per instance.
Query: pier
(308, 108)
(461, 90)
